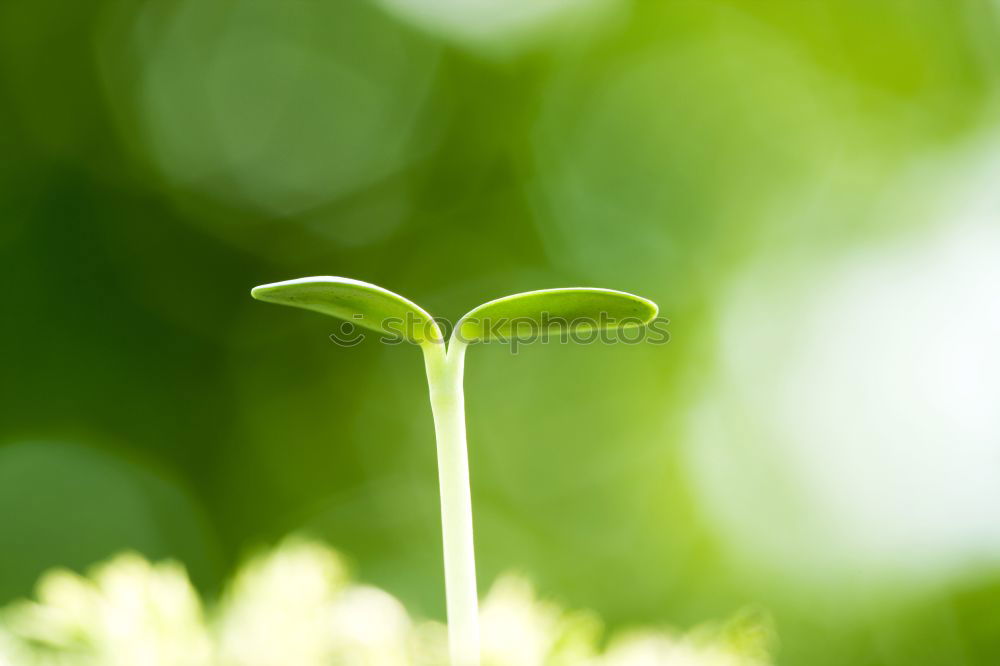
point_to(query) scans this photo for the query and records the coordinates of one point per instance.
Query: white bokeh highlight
(853, 427)
(502, 28)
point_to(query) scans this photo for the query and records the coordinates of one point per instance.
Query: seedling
(527, 315)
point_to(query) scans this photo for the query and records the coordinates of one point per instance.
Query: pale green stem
(444, 376)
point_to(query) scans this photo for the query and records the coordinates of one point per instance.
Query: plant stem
(444, 376)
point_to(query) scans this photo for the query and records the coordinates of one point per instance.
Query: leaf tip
(262, 292)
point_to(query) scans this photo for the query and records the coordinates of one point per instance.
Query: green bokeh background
(159, 158)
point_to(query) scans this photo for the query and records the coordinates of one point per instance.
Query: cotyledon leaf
(361, 303)
(573, 308)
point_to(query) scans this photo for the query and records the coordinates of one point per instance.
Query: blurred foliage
(735, 161)
(297, 604)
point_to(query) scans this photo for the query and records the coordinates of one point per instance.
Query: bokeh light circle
(851, 432)
(279, 107)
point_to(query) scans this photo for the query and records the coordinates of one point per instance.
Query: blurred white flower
(128, 613)
(296, 605)
(519, 630)
(277, 609)
(369, 626)
(652, 649)
(8, 652)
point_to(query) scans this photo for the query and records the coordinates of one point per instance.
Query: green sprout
(517, 317)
